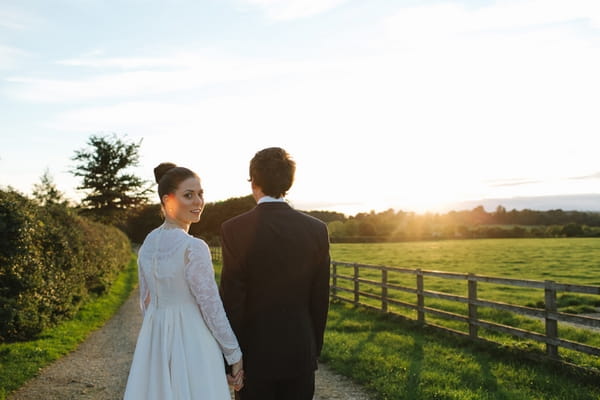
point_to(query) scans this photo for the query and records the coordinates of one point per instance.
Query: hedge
(51, 261)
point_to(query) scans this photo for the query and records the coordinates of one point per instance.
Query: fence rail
(215, 253)
(549, 314)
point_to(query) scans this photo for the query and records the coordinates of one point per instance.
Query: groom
(275, 285)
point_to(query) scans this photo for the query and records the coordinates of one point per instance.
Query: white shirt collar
(269, 199)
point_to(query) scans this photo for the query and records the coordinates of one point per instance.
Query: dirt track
(98, 368)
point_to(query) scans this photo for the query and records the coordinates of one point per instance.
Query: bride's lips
(196, 211)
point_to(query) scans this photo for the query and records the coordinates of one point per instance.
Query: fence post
(356, 287)
(472, 307)
(333, 280)
(551, 323)
(420, 297)
(384, 291)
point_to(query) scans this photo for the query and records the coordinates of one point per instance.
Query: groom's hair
(273, 169)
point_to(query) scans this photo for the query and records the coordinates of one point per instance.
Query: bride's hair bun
(162, 169)
(169, 176)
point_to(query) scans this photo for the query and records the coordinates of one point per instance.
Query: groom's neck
(257, 192)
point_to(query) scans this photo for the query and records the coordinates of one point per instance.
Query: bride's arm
(200, 276)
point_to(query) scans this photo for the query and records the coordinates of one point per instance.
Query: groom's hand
(236, 377)
(237, 381)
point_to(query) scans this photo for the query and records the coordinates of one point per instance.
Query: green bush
(50, 261)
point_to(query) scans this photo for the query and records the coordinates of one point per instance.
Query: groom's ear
(253, 184)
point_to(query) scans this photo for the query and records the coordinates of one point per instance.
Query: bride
(185, 333)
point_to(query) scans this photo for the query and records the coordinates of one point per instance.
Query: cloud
(15, 19)
(512, 182)
(282, 10)
(127, 116)
(521, 75)
(92, 61)
(10, 57)
(148, 76)
(585, 177)
(10, 20)
(438, 21)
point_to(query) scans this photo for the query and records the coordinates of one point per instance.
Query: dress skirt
(176, 357)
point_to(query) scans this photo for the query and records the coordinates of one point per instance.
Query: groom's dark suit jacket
(275, 288)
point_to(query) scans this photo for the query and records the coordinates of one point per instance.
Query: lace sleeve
(200, 277)
(144, 291)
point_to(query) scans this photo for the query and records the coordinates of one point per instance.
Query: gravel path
(98, 368)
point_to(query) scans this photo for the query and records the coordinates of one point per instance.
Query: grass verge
(22, 361)
(396, 359)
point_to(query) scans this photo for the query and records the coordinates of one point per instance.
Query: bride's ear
(165, 198)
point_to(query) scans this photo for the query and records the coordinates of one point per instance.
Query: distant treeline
(394, 225)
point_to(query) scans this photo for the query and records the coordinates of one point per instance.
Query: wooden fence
(215, 253)
(549, 314)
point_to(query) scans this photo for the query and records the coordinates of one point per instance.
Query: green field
(562, 260)
(575, 260)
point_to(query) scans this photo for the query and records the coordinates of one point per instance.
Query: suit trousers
(297, 388)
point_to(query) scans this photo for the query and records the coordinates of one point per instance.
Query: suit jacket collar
(267, 199)
(272, 205)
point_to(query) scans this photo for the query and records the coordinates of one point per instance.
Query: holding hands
(236, 377)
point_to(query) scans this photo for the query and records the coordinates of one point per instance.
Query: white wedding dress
(185, 332)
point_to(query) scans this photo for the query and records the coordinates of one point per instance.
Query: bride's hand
(236, 379)
(236, 382)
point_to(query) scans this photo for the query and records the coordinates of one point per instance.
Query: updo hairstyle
(169, 176)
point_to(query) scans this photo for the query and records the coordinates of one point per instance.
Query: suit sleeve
(320, 293)
(232, 285)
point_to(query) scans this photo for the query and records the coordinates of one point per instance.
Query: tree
(46, 193)
(111, 191)
(215, 214)
(572, 230)
(336, 230)
(327, 216)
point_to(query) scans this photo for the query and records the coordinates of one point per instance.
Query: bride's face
(186, 204)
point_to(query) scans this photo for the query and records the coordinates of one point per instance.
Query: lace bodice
(176, 268)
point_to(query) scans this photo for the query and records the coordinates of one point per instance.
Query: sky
(405, 104)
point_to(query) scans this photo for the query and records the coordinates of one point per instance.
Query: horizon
(567, 203)
(417, 106)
